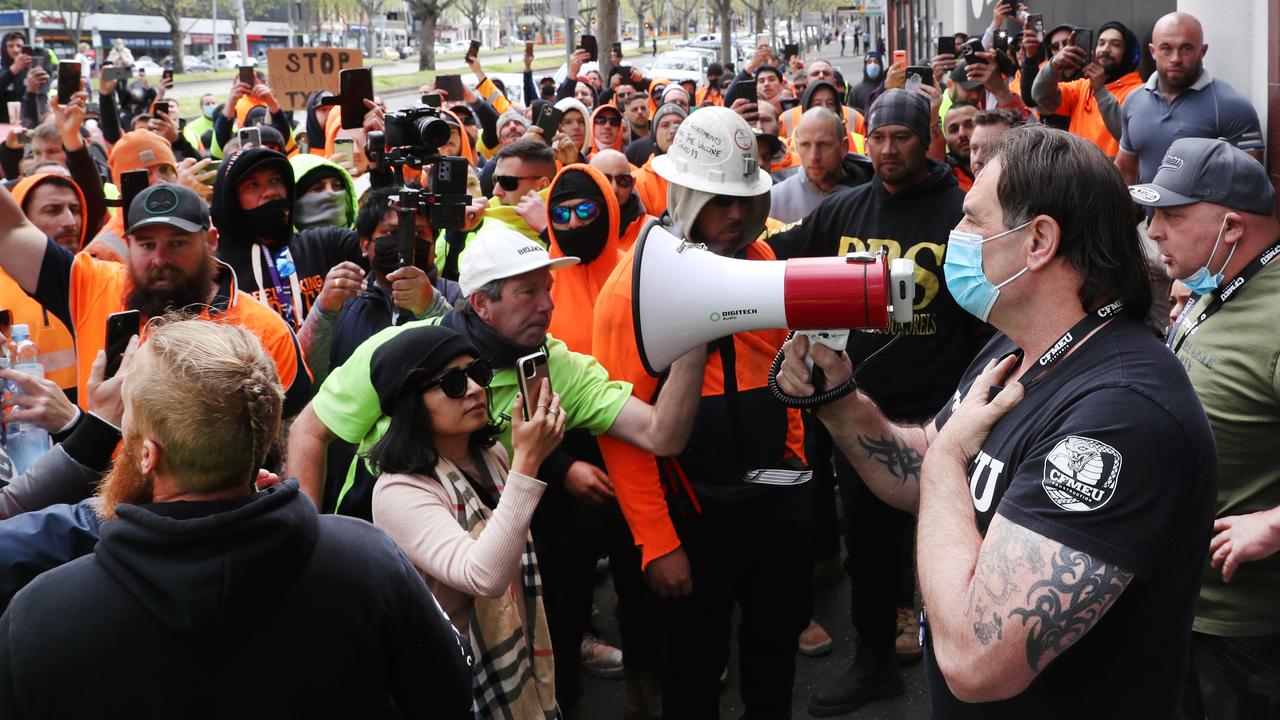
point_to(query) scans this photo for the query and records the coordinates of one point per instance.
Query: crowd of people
(323, 449)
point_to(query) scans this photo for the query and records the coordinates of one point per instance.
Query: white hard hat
(501, 253)
(714, 151)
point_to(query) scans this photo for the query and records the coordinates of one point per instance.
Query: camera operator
(1036, 51)
(1093, 101)
(1080, 495)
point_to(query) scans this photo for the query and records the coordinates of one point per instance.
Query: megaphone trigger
(837, 340)
(902, 289)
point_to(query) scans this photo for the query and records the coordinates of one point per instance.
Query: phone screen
(947, 45)
(344, 151)
(68, 81)
(589, 44)
(474, 50)
(132, 183)
(899, 57)
(121, 327)
(918, 75)
(355, 86)
(246, 75)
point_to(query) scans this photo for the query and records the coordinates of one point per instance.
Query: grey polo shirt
(1209, 109)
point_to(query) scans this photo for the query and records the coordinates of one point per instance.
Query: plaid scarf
(514, 672)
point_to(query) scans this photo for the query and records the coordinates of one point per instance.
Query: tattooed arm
(1000, 607)
(886, 455)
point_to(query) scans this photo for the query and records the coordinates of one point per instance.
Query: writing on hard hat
(714, 151)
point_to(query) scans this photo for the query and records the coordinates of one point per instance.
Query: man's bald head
(1178, 47)
(821, 70)
(767, 117)
(614, 164)
(821, 121)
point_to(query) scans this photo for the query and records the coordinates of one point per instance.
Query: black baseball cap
(1207, 170)
(169, 204)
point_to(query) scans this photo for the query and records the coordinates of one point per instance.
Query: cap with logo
(168, 204)
(500, 253)
(1207, 170)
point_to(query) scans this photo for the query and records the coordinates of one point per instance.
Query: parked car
(680, 65)
(406, 52)
(194, 64)
(148, 66)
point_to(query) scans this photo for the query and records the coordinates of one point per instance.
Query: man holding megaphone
(728, 521)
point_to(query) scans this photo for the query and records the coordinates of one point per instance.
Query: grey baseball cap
(1204, 170)
(169, 204)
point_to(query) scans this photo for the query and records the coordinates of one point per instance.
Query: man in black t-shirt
(1063, 519)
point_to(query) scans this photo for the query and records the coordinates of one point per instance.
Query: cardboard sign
(295, 73)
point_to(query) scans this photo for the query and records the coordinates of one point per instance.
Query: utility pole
(214, 54)
(242, 42)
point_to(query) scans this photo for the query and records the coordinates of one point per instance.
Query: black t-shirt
(1110, 454)
(314, 253)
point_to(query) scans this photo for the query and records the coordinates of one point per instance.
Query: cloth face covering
(966, 279)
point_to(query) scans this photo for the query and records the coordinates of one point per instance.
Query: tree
(724, 10)
(474, 11)
(683, 11)
(641, 9)
(607, 33)
(371, 8)
(172, 12)
(429, 12)
(73, 13)
(756, 10)
(587, 19)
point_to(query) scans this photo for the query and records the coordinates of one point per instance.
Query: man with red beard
(170, 266)
(197, 570)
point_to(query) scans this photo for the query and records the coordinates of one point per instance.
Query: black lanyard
(1071, 339)
(1222, 297)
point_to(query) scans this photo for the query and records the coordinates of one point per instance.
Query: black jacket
(913, 379)
(256, 607)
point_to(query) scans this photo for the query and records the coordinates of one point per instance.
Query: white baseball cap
(500, 253)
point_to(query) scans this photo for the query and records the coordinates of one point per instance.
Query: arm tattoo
(994, 583)
(1069, 603)
(902, 461)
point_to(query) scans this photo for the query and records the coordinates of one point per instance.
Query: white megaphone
(683, 295)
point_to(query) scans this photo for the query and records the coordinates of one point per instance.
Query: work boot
(600, 658)
(872, 676)
(907, 645)
(814, 640)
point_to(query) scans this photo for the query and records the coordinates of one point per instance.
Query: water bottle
(24, 442)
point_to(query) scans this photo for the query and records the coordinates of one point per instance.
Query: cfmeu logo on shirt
(1080, 473)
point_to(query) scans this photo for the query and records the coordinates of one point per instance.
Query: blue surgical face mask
(208, 111)
(872, 71)
(966, 279)
(1201, 281)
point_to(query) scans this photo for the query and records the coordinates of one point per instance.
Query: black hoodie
(913, 379)
(256, 607)
(12, 85)
(314, 252)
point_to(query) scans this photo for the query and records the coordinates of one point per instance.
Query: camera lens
(433, 131)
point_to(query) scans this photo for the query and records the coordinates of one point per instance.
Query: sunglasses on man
(511, 182)
(454, 380)
(622, 180)
(586, 211)
(613, 120)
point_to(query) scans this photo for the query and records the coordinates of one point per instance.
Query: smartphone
(947, 45)
(1083, 39)
(121, 327)
(549, 121)
(167, 76)
(1002, 41)
(132, 183)
(969, 51)
(68, 81)
(355, 85)
(431, 100)
(589, 44)
(1036, 22)
(1011, 4)
(451, 86)
(250, 137)
(530, 371)
(624, 71)
(762, 39)
(899, 57)
(746, 90)
(528, 48)
(246, 75)
(920, 75)
(790, 50)
(344, 151)
(473, 51)
(117, 72)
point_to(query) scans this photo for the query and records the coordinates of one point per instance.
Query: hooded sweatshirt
(913, 379)
(57, 346)
(576, 288)
(853, 120)
(261, 263)
(860, 94)
(207, 586)
(591, 129)
(12, 85)
(1088, 116)
(564, 105)
(305, 167)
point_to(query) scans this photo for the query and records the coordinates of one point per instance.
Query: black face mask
(271, 221)
(386, 255)
(586, 242)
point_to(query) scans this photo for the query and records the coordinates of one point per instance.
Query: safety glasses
(454, 380)
(622, 180)
(613, 120)
(511, 182)
(587, 210)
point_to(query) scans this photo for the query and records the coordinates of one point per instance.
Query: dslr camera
(413, 137)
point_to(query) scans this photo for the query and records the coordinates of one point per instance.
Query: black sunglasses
(511, 182)
(609, 120)
(622, 180)
(454, 380)
(727, 200)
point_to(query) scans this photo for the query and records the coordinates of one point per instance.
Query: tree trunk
(427, 58)
(175, 36)
(368, 32)
(725, 8)
(640, 27)
(607, 33)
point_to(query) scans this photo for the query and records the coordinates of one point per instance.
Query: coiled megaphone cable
(826, 396)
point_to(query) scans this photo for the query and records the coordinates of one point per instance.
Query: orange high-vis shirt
(1079, 104)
